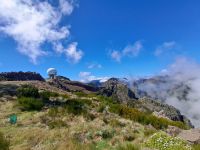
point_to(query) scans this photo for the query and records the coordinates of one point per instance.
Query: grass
(4, 143)
(57, 124)
(128, 147)
(196, 147)
(116, 123)
(148, 132)
(82, 94)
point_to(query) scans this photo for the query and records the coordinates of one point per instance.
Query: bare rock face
(118, 90)
(192, 136)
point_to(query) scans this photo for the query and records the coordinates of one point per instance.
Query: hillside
(69, 115)
(182, 93)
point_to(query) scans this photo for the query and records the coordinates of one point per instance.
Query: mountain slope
(73, 115)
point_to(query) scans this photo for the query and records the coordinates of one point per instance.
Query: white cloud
(87, 77)
(73, 54)
(179, 87)
(130, 50)
(32, 23)
(166, 46)
(66, 7)
(116, 55)
(94, 65)
(133, 50)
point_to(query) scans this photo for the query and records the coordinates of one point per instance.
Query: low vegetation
(29, 103)
(28, 91)
(82, 120)
(45, 95)
(138, 116)
(128, 147)
(162, 141)
(196, 147)
(29, 98)
(4, 143)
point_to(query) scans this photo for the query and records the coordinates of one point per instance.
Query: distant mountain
(20, 76)
(96, 83)
(161, 87)
(178, 92)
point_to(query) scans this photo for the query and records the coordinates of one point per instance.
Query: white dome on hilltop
(52, 71)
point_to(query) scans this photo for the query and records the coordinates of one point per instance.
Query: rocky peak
(118, 90)
(162, 110)
(71, 86)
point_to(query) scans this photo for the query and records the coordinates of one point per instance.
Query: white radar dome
(52, 71)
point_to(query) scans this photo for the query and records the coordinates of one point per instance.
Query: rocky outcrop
(118, 90)
(71, 86)
(161, 110)
(20, 76)
(192, 136)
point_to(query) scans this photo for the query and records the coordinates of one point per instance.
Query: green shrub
(28, 103)
(162, 141)
(45, 95)
(75, 106)
(27, 91)
(4, 143)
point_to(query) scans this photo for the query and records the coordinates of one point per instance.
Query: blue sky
(94, 39)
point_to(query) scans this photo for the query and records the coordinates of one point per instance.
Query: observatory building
(52, 72)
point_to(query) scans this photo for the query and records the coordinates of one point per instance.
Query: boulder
(192, 136)
(173, 131)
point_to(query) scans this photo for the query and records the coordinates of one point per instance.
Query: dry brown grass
(30, 133)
